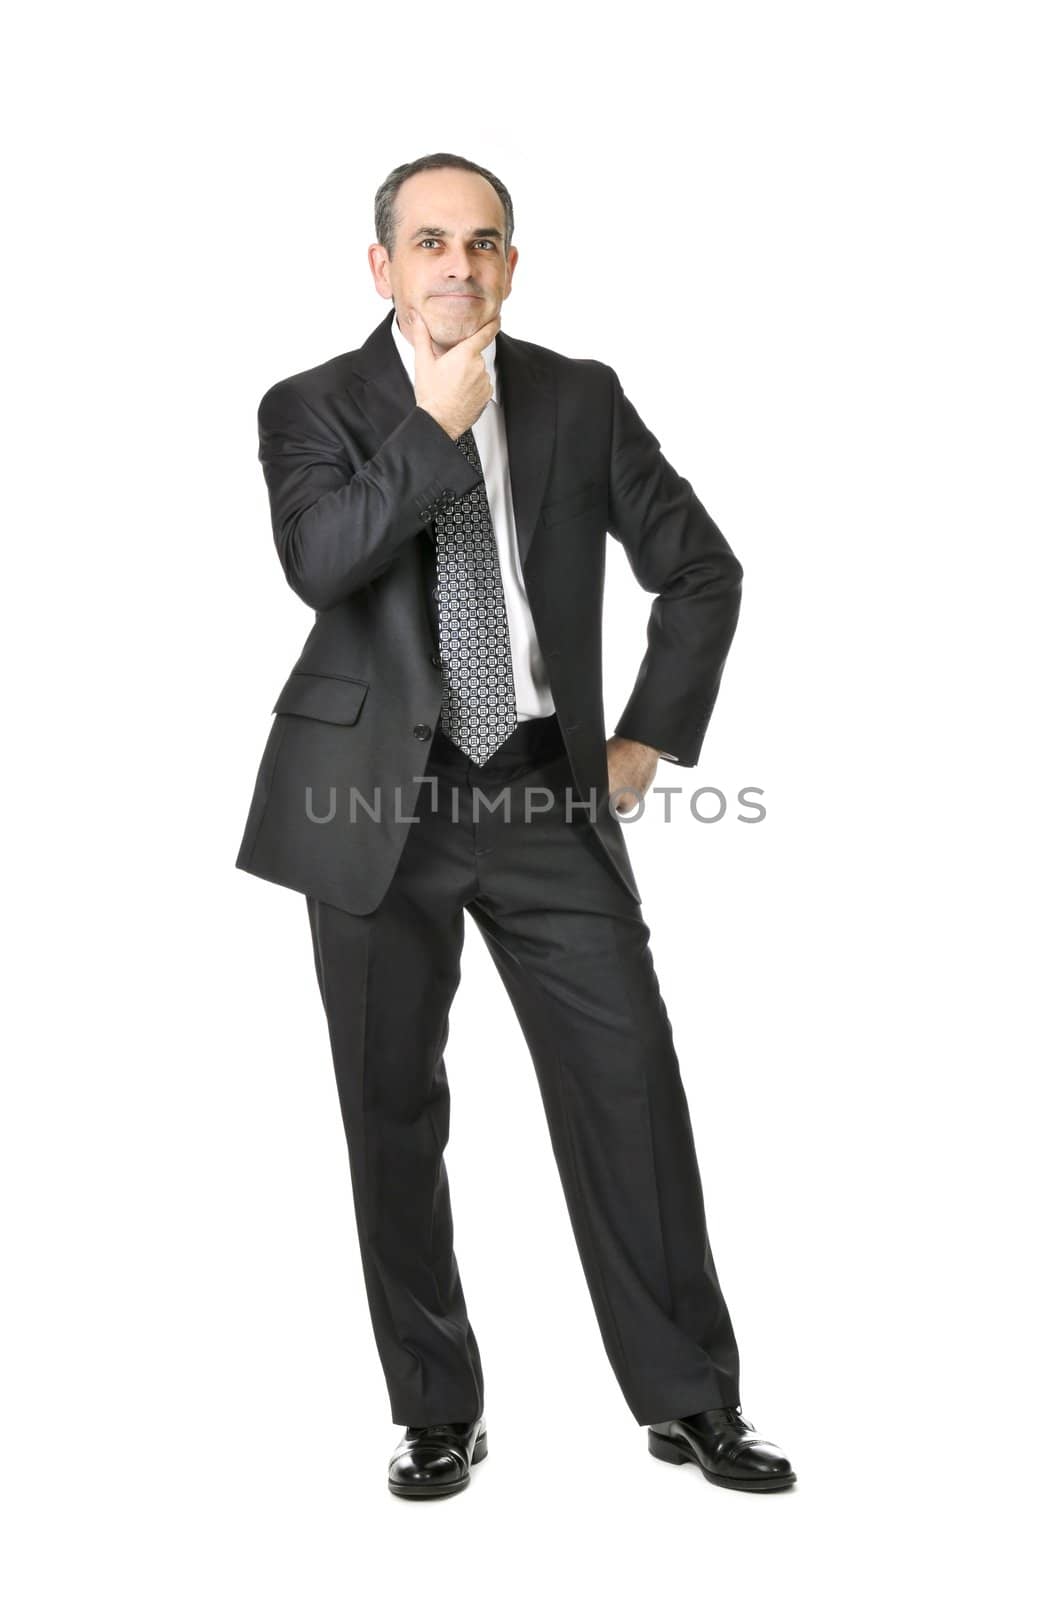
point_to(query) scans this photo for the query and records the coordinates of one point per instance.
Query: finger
(422, 339)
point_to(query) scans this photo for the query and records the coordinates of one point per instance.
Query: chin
(459, 324)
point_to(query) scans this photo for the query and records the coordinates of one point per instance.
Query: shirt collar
(405, 349)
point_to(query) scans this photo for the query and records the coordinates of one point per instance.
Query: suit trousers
(572, 948)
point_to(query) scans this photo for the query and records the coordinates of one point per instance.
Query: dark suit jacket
(354, 469)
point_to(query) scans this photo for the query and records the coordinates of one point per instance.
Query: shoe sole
(680, 1455)
(432, 1491)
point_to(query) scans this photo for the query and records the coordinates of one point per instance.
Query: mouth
(457, 297)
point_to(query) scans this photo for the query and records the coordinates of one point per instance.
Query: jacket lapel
(530, 409)
(383, 393)
(379, 387)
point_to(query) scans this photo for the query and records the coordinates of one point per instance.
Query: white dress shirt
(489, 430)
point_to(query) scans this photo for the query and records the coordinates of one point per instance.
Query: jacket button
(436, 659)
(422, 731)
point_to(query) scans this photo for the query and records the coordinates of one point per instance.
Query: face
(448, 261)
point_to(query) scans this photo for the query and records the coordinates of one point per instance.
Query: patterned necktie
(479, 708)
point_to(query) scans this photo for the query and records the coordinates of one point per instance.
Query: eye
(490, 243)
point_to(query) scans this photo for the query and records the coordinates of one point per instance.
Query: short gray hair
(384, 204)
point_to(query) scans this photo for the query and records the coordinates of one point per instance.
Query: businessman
(440, 497)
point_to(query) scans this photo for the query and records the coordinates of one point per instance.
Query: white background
(820, 246)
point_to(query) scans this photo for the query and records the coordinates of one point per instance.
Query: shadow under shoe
(434, 1460)
(725, 1446)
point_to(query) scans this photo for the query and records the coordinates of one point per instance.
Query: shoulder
(583, 371)
(312, 384)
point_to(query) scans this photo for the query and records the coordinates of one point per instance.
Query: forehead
(448, 198)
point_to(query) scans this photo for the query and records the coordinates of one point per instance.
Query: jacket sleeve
(335, 530)
(678, 553)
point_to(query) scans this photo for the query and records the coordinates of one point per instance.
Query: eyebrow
(444, 233)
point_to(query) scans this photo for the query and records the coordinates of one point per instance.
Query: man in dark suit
(441, 498)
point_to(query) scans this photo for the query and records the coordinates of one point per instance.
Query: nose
(459, 263)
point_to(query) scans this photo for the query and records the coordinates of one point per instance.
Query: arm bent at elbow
(336, 531)
(678, 554)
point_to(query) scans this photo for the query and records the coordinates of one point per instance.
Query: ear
(380, 267)
(511, 262)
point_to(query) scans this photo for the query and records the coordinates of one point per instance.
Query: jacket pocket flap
(327, 699)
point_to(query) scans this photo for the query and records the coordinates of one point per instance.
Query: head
(444, 229)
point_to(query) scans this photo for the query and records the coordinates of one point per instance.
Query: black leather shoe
(726, 1448)
(435, 1460)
